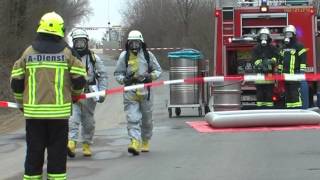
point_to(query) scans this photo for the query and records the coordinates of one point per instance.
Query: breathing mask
(264, 39)
(80, 44)
(135, 45)
(287, 37)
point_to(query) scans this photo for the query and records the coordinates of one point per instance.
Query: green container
(191, 54)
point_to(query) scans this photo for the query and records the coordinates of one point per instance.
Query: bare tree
(19, 21)
(185, 10)
(178, 23)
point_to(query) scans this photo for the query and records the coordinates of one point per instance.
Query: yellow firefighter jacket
(48, 87)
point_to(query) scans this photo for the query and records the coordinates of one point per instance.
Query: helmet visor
(264, 37)
(80, 43)
(288, 34)
(134, 45)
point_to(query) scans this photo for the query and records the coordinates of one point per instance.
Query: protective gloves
(147, 77)
(128, 79)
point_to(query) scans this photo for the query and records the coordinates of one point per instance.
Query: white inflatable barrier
(262, 118)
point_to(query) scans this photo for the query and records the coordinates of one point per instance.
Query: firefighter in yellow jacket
(292, 61)
(265, 57)
(43, 80)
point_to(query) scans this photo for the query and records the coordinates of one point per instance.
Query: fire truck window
(227, 15)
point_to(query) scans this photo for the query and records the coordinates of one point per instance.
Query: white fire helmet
(264, 31)
(135, 35)
(264, 35)
(289, 33)
(290, 28)
(79, 33)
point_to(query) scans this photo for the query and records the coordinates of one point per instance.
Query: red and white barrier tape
(150, 49)
(6, 104)
(246, 78)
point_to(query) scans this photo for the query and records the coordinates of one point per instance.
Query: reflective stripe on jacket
(264, 60)
(293, 59)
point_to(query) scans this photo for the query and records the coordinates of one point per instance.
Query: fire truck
(237, 23)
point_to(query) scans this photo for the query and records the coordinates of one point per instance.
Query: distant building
(113, 37)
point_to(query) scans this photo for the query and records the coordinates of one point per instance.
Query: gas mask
(264, 39)
(135, 46)
(80, 44)
(287, 37)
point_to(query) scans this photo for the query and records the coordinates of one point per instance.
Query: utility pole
(109, 29)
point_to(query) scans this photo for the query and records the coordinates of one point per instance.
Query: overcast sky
(103, 11)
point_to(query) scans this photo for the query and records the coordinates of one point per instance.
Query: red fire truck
(237, 23)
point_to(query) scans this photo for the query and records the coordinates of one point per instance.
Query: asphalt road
(178, 152)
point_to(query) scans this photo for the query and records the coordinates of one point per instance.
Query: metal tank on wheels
(185, 64)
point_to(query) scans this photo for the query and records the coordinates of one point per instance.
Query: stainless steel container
(183, 68)
(185, 64)
(226, 95)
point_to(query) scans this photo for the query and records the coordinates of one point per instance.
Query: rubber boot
(134, 147)
(86, 150)
(72, 148)
(145, 146)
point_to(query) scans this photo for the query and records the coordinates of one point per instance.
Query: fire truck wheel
(178, 111)
(170, 112)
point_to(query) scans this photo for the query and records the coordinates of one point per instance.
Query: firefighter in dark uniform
(43, 80)
(292, 61)
(264, 61)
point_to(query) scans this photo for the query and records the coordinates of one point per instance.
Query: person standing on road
(137, 65)
(292, 61)
(83, 111)
(43, 80)
(265, 57)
